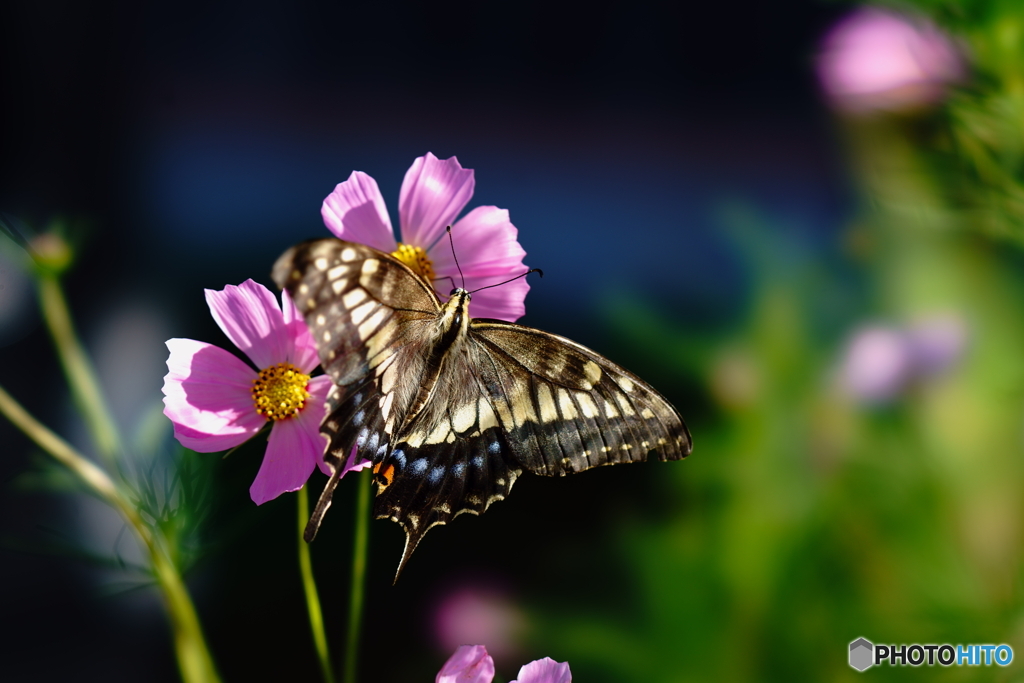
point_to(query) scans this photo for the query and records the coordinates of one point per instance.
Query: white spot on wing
(592, 371)
(587, 406)
(565, 405)
(624, 405)
(371, 325)
(487, 417)
(320, 263)
(522, 408)
(370, 266)
(387, 381)
(386, 408)
(440, 433)
(625, 383)
(359, 314)
(464, 418)
(348, 254)
(548, 412)
(609, 410)
(353, 298)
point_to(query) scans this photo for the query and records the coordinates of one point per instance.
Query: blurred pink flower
(433, 194)
(472, 664)
(479, 614)
(876, 365)
(217, 402)
(876, 59)
(880, 361)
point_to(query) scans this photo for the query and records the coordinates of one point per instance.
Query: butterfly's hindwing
(453, 458)
(451, 411)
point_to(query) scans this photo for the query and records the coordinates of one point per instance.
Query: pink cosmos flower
(217, 402)
(876, 59)
(433, 194)
(472, 664)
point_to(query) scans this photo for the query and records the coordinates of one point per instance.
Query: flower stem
(316, 620)
(355, 604)
(85, 387)
(194, 658)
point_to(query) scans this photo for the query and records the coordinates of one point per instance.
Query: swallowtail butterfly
(451, 410)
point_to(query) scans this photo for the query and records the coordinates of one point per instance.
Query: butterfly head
(455, 312)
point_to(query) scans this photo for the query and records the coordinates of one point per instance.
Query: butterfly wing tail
(412, 539)
(322, 506)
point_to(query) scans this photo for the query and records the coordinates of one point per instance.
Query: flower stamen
(417, 260)
(279, 392)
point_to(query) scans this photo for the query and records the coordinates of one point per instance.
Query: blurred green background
(823, 273)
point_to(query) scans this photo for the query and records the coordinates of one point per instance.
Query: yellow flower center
(279, 392)
(417, 260)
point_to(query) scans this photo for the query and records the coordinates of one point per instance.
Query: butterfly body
(451, 410)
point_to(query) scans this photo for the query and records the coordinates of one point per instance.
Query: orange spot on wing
(384, 478)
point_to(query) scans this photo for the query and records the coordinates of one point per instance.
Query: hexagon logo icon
(861, 654)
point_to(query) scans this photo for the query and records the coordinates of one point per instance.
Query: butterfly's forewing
(368, 315)
(570, 409)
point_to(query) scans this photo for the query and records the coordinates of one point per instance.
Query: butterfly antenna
(452, 241)
(499, 284)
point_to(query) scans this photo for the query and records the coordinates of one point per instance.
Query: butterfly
(452, 410)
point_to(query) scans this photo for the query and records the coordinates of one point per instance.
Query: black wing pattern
(451, 417)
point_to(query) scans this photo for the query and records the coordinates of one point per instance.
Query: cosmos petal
(469, 664)
(433, 193)
(207, 397)
(486, 243)
(544, 670)
(290, 458)
(355, 211)
(313, 414)
(303, 354)
(250, 317)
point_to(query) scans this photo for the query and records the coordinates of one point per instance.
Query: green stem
(316, 619)
(194, 658)
(355, 604)
(85, 387)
